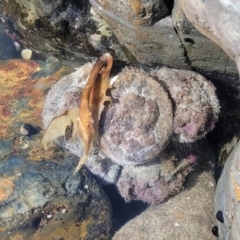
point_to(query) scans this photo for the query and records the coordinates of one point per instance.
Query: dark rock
(66, 30)
(7, 48)
(197, 45)
(219, 21)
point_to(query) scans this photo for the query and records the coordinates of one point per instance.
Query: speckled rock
(41, 198)
(154, 182)
(227, 208)
(188, 215)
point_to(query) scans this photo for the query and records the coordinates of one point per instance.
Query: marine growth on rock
(196, 106)
(147, 110)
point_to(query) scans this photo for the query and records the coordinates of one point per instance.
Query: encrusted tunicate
(195, 102)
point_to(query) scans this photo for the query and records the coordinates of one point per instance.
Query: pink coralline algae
(153, 183)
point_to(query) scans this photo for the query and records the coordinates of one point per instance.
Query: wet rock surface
(197, 45)
(24, 85)
(63, 30)
(43, 199)
(39, 195)
(175, 42)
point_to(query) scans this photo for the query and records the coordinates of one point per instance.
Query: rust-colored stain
(22, 95)
(236, 188)
(6, 188)
(69, 230)
(136, 6)
(83, 227)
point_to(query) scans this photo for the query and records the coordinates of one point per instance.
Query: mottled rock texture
(39, 196)
(24, 85)
(188, 215)
(134, 34)
(132, 31)
(228, 196)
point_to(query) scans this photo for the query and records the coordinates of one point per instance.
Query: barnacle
(85, 119)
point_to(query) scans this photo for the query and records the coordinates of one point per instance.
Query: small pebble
(26, 54)
(27, 130)
(64, 210)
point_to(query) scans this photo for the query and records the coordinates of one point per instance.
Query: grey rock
(203, 54)
(164, 46)
(218, 20)
(228, 196)
(188, 215)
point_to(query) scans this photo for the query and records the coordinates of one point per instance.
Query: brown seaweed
(85, 119)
